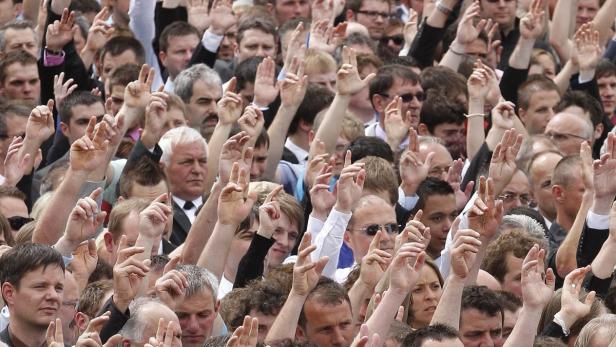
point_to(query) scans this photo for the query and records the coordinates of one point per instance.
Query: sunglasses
(406, 98)
(397, 39)
(391, 228)
(16, 222)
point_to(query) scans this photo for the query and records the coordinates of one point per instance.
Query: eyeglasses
(16, 222)
(560, 137)
(375, 14)
(7, 136)
(511, 197)
(406, 98)
(397, 39)
(371, 230)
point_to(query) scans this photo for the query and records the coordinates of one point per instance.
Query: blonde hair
(605, 323)
(120, 212)
(318, 62)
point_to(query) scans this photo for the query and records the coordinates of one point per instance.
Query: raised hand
(414, 231)
(296, 48)
(246, 334)
(466, 245)
(502, 166)
(62, 89)
(230, 106)
(137, 93)
(128, 273)
(269, 214)
(478, 83)
(293, 87)
(235, 202)
(322, 10)
(503, 115)
(265, 85)
(14, 168)
(348, 81)
(413, 170)
(114, 131)
(222, 17)
(306, 273)
(571, 307)
(60, 32)
(495, 48)
(454, 178)
(40, 125)
(375, 262)
(322, 199)
(91, 336)
(406, 267)
(536, 291)
(54, 335)
(100, 32)
(533, 23)
(467, 31)
(396, 123)
(198, 14)
(587, 48)
(252, 123)
(367, 340)
(410, 28)
(155, 119)
(234, 150)
(85, 258)
(152, 219)
(85, 219)
(165, 334)
(324, 37)
(90, 151)
(171, 286)
(486, 214)
(350, 185)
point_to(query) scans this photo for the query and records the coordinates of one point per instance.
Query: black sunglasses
(16, 222)
(391, 228)
(397, 39)
(406, 98)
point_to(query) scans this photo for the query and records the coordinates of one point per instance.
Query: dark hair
(317, 99)
(158, 262)
(246, 71)
(20, 56)
(532, 85)
(266, 297)
(85, 6)
(11, 109)
(78, 97)
(123, 75)
(360, 40)
(355, 5)
(262, 139)
(257, 23)
(175, 29)
(482, 299)
(605, 68)
(102, 271)
(386, 76)
(404, 61)
(515, 241)
(546, 341)
(92, 296)
(428, 187)
(446, 81)
(585, 102)
(328, 292)
(364, 146)
(6, 231)
(144, 172)
(27, 257)
(120, 44)
(436, 332)
(509, 301)
(438, 109)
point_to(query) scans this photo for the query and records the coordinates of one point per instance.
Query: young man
(117, 82)
(606, 80)
(442, 118)
(481, 317)
(256, 36)
(19, 78)
(177, 43)
(373, 14)
(32, 277)
(118, 51)
(537, 98)
(13, 207)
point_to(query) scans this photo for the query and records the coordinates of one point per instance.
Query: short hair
(526, 153)
(534, 84)
(76, 98)
(317, 98)
(11, 109)
(481, 299)
(437, 109)
(521, 218)
(144, 172)
(123, 75)
(364, 60)
(538, 52)
(186, 79)
(217, 341)
(289, 206)
(102, 271)
(327, 292)
(605, 323)
(364, 146)
(357, 39)
(119, 213)
(199, 279)
(429, 187)
(318, 62)
(175, 29)
(546, 341)
(177, 136)
(386, 76)
(12, 192)
(585, 102)
(605, 68)
(380, 177)
(135, 325)
(91, 299)
(246, 71)
(510, 301)
(85, 6)
(352, 128)
(355, 5)
(20, 57)
(27, 257)
(398, 332)
(516, 242)
(563, 170)
(445, 80)
(256, 23)
(120, 44)
(437, 332)
(17, 24)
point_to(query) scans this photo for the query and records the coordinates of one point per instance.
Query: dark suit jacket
(181, 225)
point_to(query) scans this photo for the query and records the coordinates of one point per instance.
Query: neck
(549, 216)
(363, 114)
(300, 140)
(564, 220)
(508, 28)
(23, 334)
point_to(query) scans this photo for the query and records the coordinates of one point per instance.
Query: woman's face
(425, 296)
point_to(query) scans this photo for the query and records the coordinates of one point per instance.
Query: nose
(430, 294)
(193, 323)
(254, 170)
(261, 52)
(338, 338)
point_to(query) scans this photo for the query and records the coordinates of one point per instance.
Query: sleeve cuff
(52, 60)
(408, 202)
(211, 41)
(597, 221)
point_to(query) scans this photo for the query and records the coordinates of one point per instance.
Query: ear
(270, 7)
(522, 115)
(311, 136)
(422, 130)
(558, 193)
(299, 333)
(163, 56)
(378, 103)
(347, 237)
(350, 15)
(64, 129)
(305, 126)
(598, 130)
(82, 320)
(109, 244)
(8, 293)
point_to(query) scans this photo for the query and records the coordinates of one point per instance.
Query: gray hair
(531, 226)
(17, 24)
(178, 136)
(606, 323)
(186, 79)
(198, 279)
(136, 324)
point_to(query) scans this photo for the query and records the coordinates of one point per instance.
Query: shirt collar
(300, 153)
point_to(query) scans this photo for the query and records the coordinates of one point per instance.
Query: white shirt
(224, 287)
(329, 240)
(192, 213)
(376, 130)
(300, 153)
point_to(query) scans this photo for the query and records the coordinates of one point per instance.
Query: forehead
(403, 86)
(257, 36)
(18, 70)
(197, 302)
(148, 192)
(191, 40)
(318, 314)
(441, 154)
(87, 111)
(589, 4)
(607, 79)
(565, 123)
(206, 90)
(375, 5)
(22, 35)
(439, 204)
(545, 164)
(51, 272)
(518, 183)
(472, 319)
(125, 57)
(191, 149)
(544, 97)
(374, 212)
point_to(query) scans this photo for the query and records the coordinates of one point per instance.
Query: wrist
(409, 189)
(65, 246)
(260, 102)
(527, 42)
(602, 204)
(294, 294)
(120, 303)
(148, 139)
(476, 105)
(264, 233)
(457, 47)
(319, 214)
(216, 30)
(587, 74)
(342, 209)
(565, 317)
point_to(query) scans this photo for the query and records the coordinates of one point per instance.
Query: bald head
(568, 131)
(442, 160)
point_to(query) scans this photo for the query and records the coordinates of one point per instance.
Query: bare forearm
(214, 255)
(604, 19)
(603, 264)
(31, 147)
(451, 60)
(560, 30)
(564, 76)
(520, 57)
(220, 135)
(437, 18)
(30, 9)
(277, 133)
(357, 294)
(201, 229)
(566, 260)
(525, 328)
(448, 308)
(383, 316)
(475, 134)
(332, 122)
(285, 324)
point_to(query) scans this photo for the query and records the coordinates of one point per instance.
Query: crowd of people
(307, 173)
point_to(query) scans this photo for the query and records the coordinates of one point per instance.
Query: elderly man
(143, 322)
(184, 162)
(568, 131)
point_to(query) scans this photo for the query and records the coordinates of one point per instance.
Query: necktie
(188, 205)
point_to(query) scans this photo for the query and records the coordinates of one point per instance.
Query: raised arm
(478, 86)
(467, 32)
(603, 264)
(532, 25)
(39, 128)
(561, 28)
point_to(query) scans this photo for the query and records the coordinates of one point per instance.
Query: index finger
(272, 195)
(97, 323)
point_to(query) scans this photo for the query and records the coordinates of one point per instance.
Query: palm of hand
(461, 263)
(323, 200)
(411, 173)
(232, 205)
(61, 38)
(372, 273)
(303, 283)
(151, 226)
(603, 180)
(351, 83)
(266, 90)
(291, 93)
(39, 128)
(87, 159)
(199, 17)
(588, 56)
(229, 112)
(403, 280)
(536, 292)
(222, 16)
(83, 262)
(137, 95)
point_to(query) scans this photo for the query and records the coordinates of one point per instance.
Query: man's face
(404, 89)
(259, 159)
(380, 213)
(197, 314)
(228, 45)
(541, 178)
(12, 207)
(22, 83)
(339, 153)
(607, 90)
(291, 9)
(24, 39)
(187, 170)
(501, 11)
(175, 119)
(540, 111)
(477, 49)
(567, 132)
(256, 43)
(327, 80)
(152, 313)
(374, 15)
(441, 161)
(67, 311)
(285, 235)
(8, 11)
(393, 39)
(545, 66)
(178, 54)
(586, 11)
(15, 126)
(454, 137)
(573, 192)
(513, 277)
(117, 98)
(328, 325)
(202, 112)
(510, 319)
(110, 63)
(478, 329)
(38, 298)
(516, 193)
(265, 323)
(79, 121)
(438, 213)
